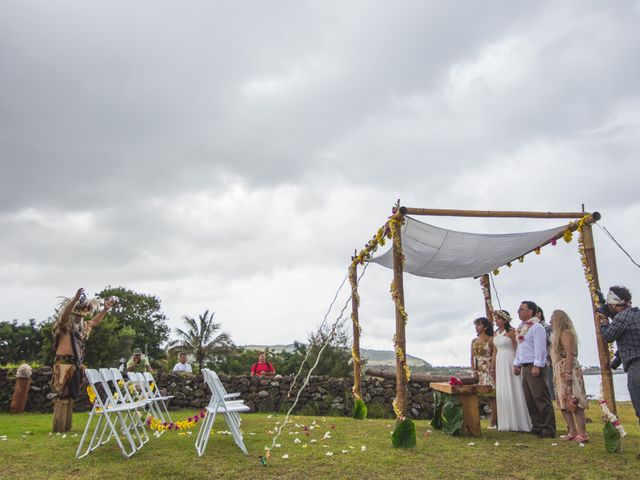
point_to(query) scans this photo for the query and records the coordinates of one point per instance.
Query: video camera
(604, 309)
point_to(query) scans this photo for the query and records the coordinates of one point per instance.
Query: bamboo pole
(486, 294)
(355, 353)
(603, 349)
(400, 339)
(489, 213)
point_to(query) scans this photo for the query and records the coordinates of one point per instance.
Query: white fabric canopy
(438, 253)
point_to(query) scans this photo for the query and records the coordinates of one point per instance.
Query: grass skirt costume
(67, 379)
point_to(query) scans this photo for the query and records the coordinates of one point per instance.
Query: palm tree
(199, 338)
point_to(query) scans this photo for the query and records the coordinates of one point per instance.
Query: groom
(531, 361)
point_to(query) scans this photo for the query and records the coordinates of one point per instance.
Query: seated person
(262, 367)
(182, 366)
(138, 362)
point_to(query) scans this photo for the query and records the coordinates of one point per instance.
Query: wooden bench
(468, 395)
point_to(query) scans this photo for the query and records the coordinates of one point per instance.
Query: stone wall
(322, 396)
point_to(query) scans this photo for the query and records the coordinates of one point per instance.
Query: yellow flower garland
(188, 424)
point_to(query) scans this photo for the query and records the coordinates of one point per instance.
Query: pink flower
(195, 420)
(521, 338)
(553, 242)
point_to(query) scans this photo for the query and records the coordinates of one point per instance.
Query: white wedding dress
(512, 407)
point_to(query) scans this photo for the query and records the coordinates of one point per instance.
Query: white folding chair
(146, 392)
(122, 396)
(229, 409)
(156, 396)
(106, 409)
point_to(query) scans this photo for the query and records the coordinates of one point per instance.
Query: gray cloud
(232, 157)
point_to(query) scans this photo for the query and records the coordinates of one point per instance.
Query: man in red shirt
(262, 367)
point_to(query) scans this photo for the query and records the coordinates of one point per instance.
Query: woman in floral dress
(571, 396)
(481, 361)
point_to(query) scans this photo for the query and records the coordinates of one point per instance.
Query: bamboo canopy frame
(391, 229)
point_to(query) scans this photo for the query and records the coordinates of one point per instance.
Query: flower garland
(91, 393)
(588, 275)
(379, 239)
(524, 327)
(188, 424)
(608, 416)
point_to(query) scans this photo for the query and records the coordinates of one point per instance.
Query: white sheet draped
(438, 253)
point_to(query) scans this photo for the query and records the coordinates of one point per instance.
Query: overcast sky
(231, 156)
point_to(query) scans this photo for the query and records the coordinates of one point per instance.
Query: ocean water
(592, 385)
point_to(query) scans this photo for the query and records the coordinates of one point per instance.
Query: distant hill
(375, 358)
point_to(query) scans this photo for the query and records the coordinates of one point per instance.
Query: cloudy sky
(232, 155)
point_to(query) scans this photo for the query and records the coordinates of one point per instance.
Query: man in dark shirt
(625, 330)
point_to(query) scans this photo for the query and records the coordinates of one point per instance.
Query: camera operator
(625, 330)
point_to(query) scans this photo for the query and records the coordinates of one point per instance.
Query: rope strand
(618, 244)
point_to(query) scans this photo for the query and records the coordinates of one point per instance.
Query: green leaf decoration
(611, 437)
(359, 410)
(451, 416)
(404, 436)
(438, 401)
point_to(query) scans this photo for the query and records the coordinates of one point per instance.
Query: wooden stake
(488, 213)
(400, 340)
(353, 278)
(487, 297)
(603, 349)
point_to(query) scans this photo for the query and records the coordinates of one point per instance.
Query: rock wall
(323, 395)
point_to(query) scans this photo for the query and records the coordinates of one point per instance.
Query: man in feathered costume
(70, 333)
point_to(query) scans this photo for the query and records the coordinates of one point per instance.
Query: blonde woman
(571, 396)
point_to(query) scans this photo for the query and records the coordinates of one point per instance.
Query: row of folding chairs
(119, 410)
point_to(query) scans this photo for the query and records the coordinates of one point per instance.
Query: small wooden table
(468, 395)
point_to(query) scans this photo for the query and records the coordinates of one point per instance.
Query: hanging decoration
(187, 424)
(588, 274)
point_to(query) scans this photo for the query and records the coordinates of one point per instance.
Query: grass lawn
(29, 452)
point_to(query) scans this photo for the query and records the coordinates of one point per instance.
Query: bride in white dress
(512, 408)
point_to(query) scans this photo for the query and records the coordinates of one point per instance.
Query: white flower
(297, 440)
(313, 440)
(363, 448)
(252, 433)
(329, 454)
(344, 451)
(278, 445)
(327, 435)
(269, 416)
(554, 444)
(471, 444)
(581, 444)
(285, 456)
(497, 444)
(64, 436)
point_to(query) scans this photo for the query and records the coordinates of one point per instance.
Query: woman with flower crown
(481, 354)
(571, 397)
(512, 406)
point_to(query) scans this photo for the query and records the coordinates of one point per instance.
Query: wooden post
(355, 353)
(486, 294)
(603, 349)
(398, 293)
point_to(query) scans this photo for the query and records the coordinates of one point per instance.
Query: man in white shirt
(182, 366)
(531, 361)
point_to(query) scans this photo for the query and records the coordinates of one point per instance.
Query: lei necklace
(524, 327)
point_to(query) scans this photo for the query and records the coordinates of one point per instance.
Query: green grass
(38, 455)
